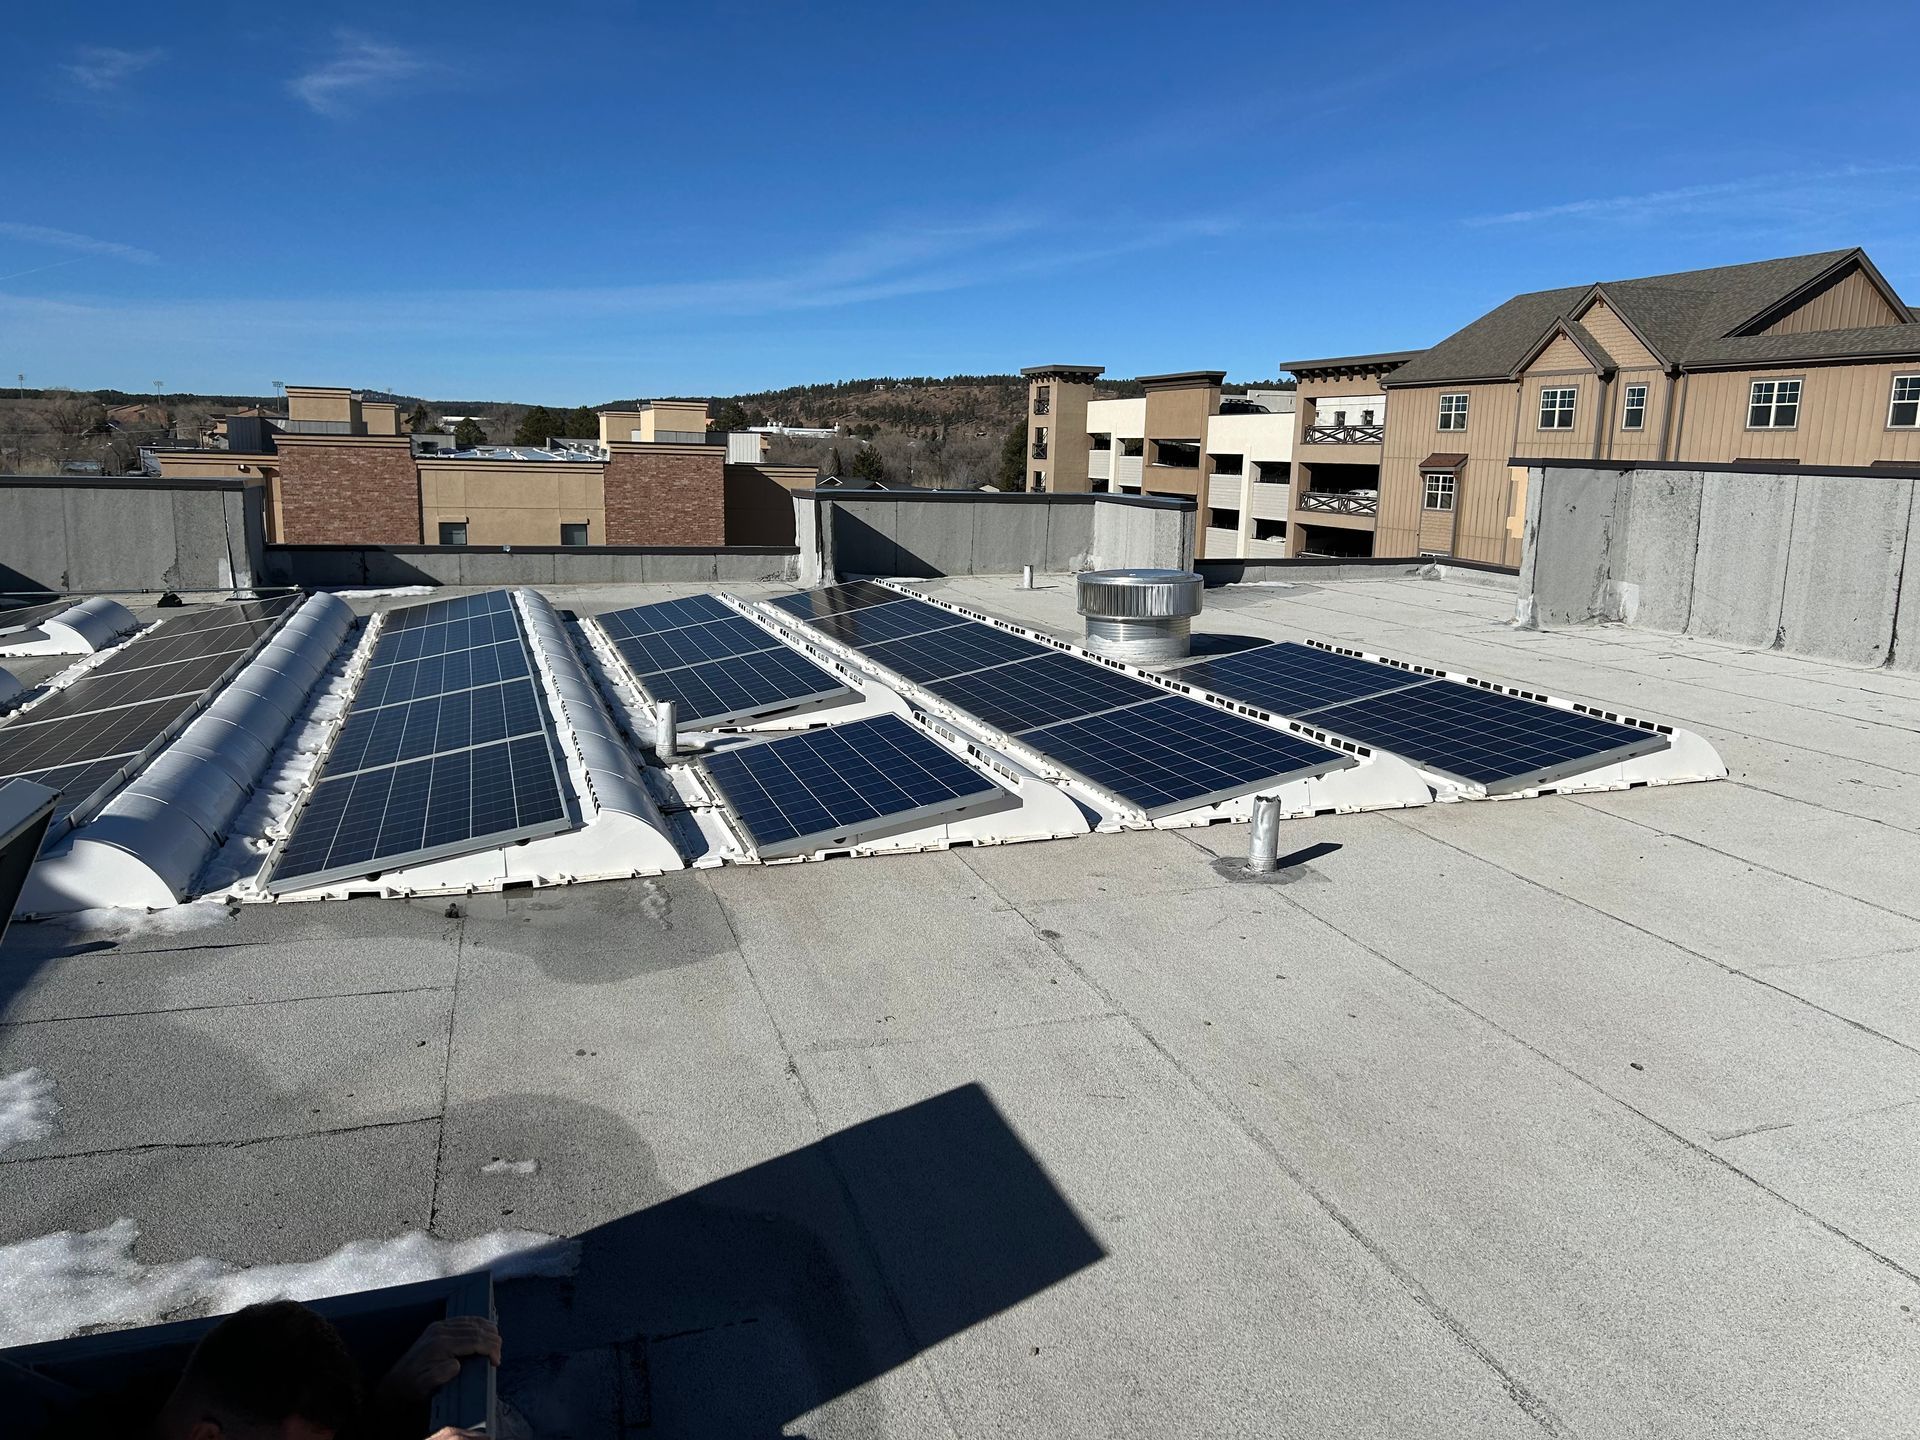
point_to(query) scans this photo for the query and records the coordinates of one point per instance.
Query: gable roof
(1687, 318)
(1583, 341)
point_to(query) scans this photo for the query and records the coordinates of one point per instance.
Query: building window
(1229, 464)
(1556, 407)
(573, 534)
(1180, 454)
(1269, 529)
(1339, 417)
(1453, 412)
(1440, 486)
(1633, 415)
(1100, 442)
(1904, 411)
(1366, 417)
(1039, 442)
(1773, 405)
(1223, 519)
(1042, 399)
(453, 532)
(1271, 472)
(1039, 480)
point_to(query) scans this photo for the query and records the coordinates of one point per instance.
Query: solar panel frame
(955, 650)
(29, 617)
(1206, 754)
(659, 650)
(845, 784)
(873, 625)
(1452, 729)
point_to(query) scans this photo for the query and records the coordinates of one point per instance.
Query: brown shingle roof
(1686, 318)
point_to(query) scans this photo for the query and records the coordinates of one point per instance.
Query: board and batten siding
(1851, 302)
(1843, 417)
(1615, 338)
(1484, 488)
(1644, 443)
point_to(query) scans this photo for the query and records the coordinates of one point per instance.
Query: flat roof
(1089, 371)
(1177, 378)
(1385, 360)
(1477, 1119)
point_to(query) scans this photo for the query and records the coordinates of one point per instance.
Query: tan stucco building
(1810, 359)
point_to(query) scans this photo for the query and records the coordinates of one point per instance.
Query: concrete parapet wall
(939, 532)
(1812, 561)
(69, 535)
(382, 566)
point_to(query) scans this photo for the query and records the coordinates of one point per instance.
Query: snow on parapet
(73, 1282)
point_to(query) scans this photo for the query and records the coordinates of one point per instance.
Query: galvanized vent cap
(1141, 593)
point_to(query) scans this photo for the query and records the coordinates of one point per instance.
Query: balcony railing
(1343, 435)
(1340, 502)
(1039, 450)
(1041, 407)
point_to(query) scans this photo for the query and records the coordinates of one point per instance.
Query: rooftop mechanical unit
(1144, 617)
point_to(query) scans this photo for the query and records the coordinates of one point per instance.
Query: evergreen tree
(1012, 473)
(835, 465)
(582, 423)
(468, 434)
(867, 465)
(537, 426)
(417, 422)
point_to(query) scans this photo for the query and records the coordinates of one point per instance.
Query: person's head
(275, 1371)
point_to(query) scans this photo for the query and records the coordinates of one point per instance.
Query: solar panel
(28, 617)
(877, 624)
(667, 615)
(361, 823)
(834, 785)
(953, 651)
(1497, 741)
(692, 644)
(1174, 754)
(447, 748)
(1041, 691)
(837, 599)
(741, 687)
(83, 737)
(1289, 678)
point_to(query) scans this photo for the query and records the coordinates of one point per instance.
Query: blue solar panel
(877, 624)
(1174, 754)
(1041, 691)
(693, 644)
(448, 747)
(440, 612)
(1288, 678)
(835, 785)
(837, 600)
(360, 823)
(667, 615)
(953, 651)
(1498, 741)
(433, 724)
(743, 686)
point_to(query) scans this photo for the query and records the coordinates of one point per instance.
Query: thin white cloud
(69, 240)
(101, 68)
(360, 69)
(1757, 190)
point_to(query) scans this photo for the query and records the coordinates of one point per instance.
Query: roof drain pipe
(1263, 849)
(1026, 577)
(666, 730)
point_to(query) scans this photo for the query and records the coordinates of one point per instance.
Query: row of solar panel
(1158, 752)
(1497, 741)
(447, 747)
(83, 738)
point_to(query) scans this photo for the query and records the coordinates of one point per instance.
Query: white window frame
(1441, 490)
(1774, 403)
(1455, 413)
(1912, 398)
(1627, 407)
(1571, 409)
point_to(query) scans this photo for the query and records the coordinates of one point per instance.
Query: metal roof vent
(1141, 616)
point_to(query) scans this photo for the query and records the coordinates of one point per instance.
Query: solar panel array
(448, 748)
(86, 738)
(832, 785)
(1158, 752)
(713, 663)
(29, 617)
(1498, 741)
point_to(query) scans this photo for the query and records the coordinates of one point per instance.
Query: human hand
(434, 1359)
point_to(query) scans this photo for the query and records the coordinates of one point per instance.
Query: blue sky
(569, 203)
